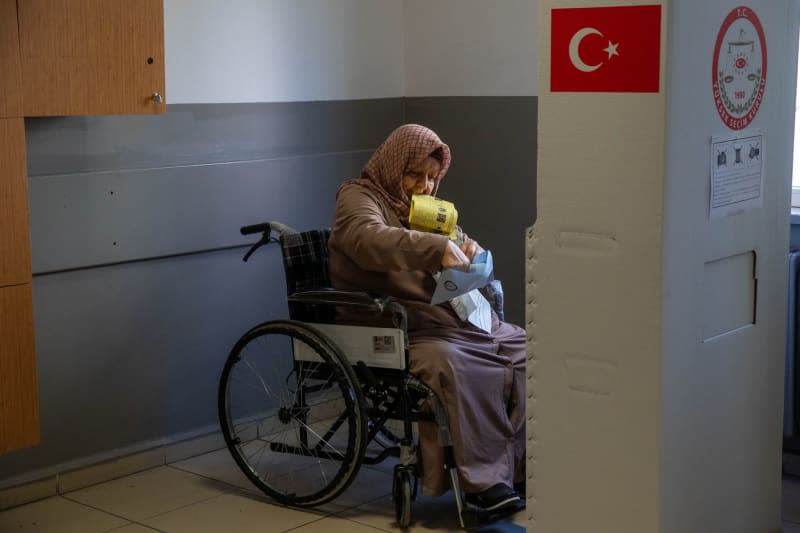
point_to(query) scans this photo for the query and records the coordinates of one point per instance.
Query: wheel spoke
(296, 427)
(264, 386)
(319, 437)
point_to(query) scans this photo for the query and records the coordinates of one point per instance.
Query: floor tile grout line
(260, 495)
(326, 514)
(394, 530)
(203, 500)
(105, 511)
(317, 517)
(132, 522)
(338, 518)
(305, 525)
(319, 513)
(351, 507)
(370, 525)
(221, 481)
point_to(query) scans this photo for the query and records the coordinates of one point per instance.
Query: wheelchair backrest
(305, 264)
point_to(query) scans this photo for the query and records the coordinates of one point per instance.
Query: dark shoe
(519, 488)
(500, 496)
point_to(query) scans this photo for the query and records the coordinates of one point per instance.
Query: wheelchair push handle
(256, 228)
(265, 228)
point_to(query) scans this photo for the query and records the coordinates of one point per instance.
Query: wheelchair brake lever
(265, 238)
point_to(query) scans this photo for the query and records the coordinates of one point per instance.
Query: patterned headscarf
(406, 147)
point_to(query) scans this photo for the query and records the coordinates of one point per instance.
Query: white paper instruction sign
(737, 173)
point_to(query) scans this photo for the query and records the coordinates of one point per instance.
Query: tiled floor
(790, 505)
(208, 494)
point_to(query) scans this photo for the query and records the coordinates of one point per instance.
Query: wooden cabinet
(15, 247)
(19, 405)
(58, 57)
(19, 411)
(91, 57)
(11, 83)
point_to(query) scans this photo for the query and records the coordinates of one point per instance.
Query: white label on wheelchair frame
(383, 344)
(378, 347)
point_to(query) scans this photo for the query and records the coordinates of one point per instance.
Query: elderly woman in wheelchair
(304, 402)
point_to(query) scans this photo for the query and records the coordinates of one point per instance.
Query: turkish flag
(605, 49)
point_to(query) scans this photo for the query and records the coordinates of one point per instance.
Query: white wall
(307, 50)
(282, 50)
(470, 47)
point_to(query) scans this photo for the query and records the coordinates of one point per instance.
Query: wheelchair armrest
(377, 304)
(343, 298)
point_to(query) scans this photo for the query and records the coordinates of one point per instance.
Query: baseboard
(66, 477)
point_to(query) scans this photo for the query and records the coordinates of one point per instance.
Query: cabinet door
(11, 79)
(19, 405)
(91, 57)
(15, 247)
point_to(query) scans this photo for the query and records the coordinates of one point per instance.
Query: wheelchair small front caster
(404, 492)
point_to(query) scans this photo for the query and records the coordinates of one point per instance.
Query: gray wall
(492, 180)
(139, 287)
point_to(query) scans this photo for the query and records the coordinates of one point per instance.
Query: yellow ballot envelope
(433, 215)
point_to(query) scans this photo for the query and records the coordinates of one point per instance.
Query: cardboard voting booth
(656, 270)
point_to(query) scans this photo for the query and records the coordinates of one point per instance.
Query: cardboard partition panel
(656, 270)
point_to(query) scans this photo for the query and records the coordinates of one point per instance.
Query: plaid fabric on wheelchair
(305, 264)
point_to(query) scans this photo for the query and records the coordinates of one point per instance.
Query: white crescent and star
(575, 43)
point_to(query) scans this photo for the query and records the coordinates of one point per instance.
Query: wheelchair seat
(305, 261)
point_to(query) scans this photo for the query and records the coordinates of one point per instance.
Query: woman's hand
(454, 258)
(471, 248)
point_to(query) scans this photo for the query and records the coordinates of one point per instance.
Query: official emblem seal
(739, 73)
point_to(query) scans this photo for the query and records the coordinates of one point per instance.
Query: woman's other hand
(454, 258)
(471, 248)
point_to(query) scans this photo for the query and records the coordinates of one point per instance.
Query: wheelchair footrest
(483, 521)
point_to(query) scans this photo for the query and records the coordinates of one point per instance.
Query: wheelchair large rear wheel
(292, 413)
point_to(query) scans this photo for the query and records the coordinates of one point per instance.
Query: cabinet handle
(157, 98)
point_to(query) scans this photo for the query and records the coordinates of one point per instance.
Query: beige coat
(479, 377)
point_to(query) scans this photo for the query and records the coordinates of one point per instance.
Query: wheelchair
(304, 402)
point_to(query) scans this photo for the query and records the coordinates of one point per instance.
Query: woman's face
(422, 178)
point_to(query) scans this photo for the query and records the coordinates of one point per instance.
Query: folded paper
(452, 282)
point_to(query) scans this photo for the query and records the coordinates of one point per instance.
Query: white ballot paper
(474, 308)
